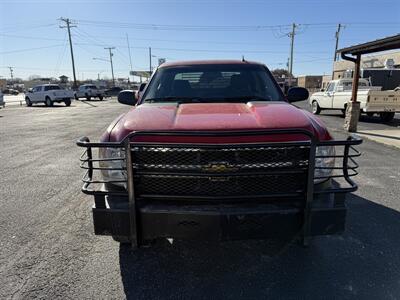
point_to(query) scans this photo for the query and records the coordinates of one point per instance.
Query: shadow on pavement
(365, 119)
(362, 263)
(49, 107)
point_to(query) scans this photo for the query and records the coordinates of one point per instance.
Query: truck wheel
(48, 101)
(100, 98)
(386, 116)
(87, 97)
(67, 102)
(315, 108)
(28, 101)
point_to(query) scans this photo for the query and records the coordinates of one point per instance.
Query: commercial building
(343, 68)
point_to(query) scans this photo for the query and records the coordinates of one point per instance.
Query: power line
(201, 50)
(129, 51)
(61, 56)
(182, 27)
(28, 27)
(29, 49)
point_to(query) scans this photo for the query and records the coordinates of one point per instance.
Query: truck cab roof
(209, 62)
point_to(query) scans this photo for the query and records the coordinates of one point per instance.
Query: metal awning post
(356, 79)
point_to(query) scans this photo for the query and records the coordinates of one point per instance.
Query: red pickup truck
(213, 150)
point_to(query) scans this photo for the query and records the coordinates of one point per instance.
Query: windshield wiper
(176, 98)
(246, 98)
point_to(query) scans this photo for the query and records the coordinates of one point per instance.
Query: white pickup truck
(48, 94)
(372, 99)
(89, 91)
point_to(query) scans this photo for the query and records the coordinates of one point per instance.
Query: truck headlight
(325, 160)
(115, 164)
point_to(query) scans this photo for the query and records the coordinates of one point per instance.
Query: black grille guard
(304, 167)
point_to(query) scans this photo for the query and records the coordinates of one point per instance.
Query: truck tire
(315, 108)
(344, 111)
(370, 114)
(386, 116)
(87, 97)
(100, 98)
(48, 102)
(28, 101)
(67, 102)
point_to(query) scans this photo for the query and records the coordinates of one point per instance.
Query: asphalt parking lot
(48, 250)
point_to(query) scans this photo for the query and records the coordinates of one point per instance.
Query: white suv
(89, 91)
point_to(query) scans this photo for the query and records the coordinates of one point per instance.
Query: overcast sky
(32, 42)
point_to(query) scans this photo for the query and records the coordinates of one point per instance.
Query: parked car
(48, 94)
(89, 91)
(372, 99)
(10, 92)
(114, 91)
(213, 150)
(2, 103)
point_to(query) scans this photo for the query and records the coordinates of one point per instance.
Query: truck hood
(218, 117)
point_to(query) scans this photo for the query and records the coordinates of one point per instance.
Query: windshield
(93, 87)
(212, 83)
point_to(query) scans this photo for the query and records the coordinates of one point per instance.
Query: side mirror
(297, 94)
(127, 97)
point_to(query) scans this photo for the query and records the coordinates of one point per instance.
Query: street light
(110, 61)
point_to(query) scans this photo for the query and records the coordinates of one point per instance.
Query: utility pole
(129, 50)
(11, 73)
(291, 35)
(68, 22)
(150, 59)
(335, 58)
(112, 68)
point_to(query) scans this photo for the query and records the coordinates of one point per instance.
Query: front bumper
(218, 222)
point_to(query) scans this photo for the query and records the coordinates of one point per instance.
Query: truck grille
(234, 171)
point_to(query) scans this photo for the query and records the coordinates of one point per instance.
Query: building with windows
(344, 68)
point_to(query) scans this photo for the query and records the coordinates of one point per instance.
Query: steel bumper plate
(218, 223)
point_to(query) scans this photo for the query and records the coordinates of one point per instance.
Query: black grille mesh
(193, 173)
(219, 186)
(241, 158)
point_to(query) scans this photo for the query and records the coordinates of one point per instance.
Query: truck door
(327, 98)
(36, 93)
